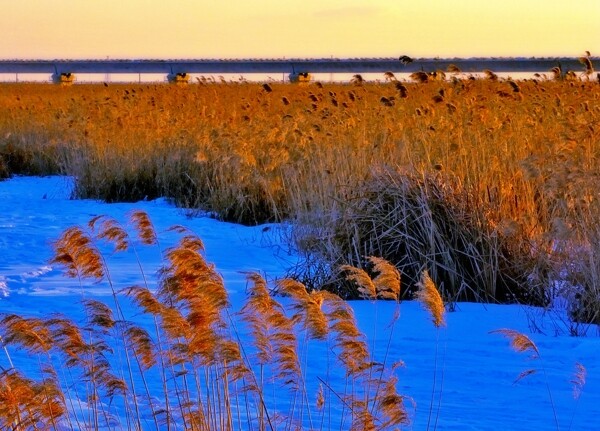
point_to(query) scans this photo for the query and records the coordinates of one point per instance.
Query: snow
(475, 370)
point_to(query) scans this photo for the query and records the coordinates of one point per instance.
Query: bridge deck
(360, 65)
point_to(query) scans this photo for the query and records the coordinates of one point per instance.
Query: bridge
(183, 67)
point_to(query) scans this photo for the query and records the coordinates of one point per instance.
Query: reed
(509, 166)
(521, 343)
(185, 336)
(432, 301)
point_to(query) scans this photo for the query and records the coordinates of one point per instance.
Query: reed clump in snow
(430, 222)
(504, 173)
(183, 359)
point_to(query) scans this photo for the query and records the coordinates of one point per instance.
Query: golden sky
(308, 28)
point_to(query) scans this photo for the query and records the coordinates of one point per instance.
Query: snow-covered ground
(477, 369)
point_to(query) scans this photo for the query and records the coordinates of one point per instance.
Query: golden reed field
(475, 189)
(490, 184)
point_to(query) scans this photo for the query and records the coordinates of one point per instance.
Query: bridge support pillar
(63, 78)
(300, 77)
(178, 78)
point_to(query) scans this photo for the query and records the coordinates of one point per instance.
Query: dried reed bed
(491, 184)
(216, 369)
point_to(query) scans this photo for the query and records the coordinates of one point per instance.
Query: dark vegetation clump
(28, 159)
(428, 222)
(4, 172)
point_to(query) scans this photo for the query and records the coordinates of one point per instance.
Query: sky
(71, 29)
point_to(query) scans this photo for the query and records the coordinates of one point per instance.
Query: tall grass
(488, 183)
(182, 359)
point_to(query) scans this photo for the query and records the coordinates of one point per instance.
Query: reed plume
(431, 299)
(31, 334)
(557, 72)
(402, 90)
(75, 250)
(419, 76)
(391, 404)
(357, 79)
(388, 279)
(362, 418)
(99, 314)
(353, 350)
(320, 399)
(190, 284)
(142, 345)
(490, 75)
(386, 285)
(26, 404)
(111, 231)
(587, 63)
(389, 76)
(273, 333)
(144, 227)
(366, 287)
(519, 342)
(145, 299)
(515, 86)
(68, 339)
(438, 98)
(578, 380)
(307, 307)
(452, 68)
(437, 75)
(387, 101)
